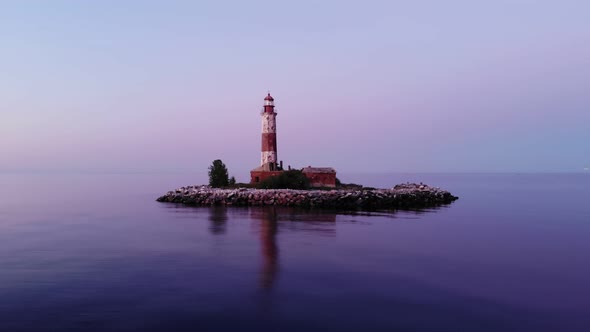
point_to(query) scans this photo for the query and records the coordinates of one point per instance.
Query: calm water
(96, 252)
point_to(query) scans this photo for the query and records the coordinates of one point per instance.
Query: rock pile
(403, 196)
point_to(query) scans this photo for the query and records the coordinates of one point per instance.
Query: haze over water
(96, 252)
(106, 105)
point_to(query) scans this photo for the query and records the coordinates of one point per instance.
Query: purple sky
(364, 86)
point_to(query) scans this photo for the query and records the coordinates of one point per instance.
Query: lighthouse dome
(269, 97)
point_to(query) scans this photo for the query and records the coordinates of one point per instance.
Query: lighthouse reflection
(268, 227)
(270, 221)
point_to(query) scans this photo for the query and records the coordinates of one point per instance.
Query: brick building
(321, 176)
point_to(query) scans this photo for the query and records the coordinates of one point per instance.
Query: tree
(232, 181)
(218, 174)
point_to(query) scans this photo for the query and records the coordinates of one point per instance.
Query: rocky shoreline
(402, 196)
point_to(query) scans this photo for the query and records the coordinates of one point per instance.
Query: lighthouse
(269, 164)
(269, 134)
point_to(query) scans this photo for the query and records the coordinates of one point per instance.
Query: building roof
(269, 97)
(310, 169)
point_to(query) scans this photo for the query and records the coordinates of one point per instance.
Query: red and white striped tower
(269, 132)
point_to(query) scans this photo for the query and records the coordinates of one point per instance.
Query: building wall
(321, 179)
(258, 176)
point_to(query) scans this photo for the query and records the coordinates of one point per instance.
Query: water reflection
(218, 219)
(268, 227)
(270, 220)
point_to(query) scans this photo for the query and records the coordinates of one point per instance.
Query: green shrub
(292, 179)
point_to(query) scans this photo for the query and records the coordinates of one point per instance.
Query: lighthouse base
(263, 172)
(318, 176)
(259, 176)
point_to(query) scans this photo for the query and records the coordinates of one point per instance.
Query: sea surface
(96, 252)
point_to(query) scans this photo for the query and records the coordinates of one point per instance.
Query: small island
(308, 187)
(403, 196)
